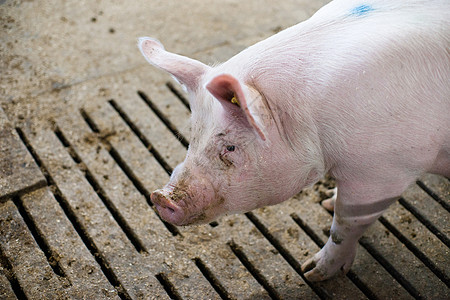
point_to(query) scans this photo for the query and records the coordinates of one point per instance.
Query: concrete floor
(87, 132)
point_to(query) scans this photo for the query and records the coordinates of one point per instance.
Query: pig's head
(237, 159)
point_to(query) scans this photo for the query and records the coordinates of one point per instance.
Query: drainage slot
(76, 158)
(140, 187)
(215, 283)
(127, 171)
(52, 257)
(168, 286)
(372, 251)
(388, 267)
(433, 195)
(286, 255)
(237, 250)
(117, 158)
(131, 235)
(89, 121)
(425, 221)
(141, 137)
(32, 152)
(319, 242)
(9, 273)
(164, 119)
(179, 95)
(90, 244)
(77, 225)
(152, 150)
(308, 230)
(419, 254)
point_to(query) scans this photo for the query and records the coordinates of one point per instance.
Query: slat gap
(416, 251)
(179, 95)
(76, 223)
(215, 283)
(168, 286)
(427, 223)
(377, 256)
(141, 137)
(52, 257)
(319, 242)
(321, 293)
(11, 276)
(237, 250)
(183, 140)
(127, 170)
(129, 232)
(433, 195)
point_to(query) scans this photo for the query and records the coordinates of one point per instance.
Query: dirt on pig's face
(210, 181)
(223, 171)
(237, 159)
(240, 156)
(228, 168)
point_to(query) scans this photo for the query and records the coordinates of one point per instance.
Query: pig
(360, 91)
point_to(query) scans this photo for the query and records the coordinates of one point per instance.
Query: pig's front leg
(351, 219)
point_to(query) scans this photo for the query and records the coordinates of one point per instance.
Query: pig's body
(361, 90)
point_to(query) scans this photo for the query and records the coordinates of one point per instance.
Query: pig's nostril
(167, 208)
(157, 197)
(162, 202)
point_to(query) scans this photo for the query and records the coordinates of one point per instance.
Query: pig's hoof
(328, 263)
(315, 269)
(311, 272)
(328, 204)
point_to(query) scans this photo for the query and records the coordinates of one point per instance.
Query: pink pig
(361, 90)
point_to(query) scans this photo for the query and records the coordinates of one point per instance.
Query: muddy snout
(166, 207)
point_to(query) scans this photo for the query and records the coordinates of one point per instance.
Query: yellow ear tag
(234, 100)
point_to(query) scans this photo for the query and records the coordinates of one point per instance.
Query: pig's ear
(186, 70)
(233, 97)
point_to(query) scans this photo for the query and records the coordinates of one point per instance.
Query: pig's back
(387, 99)
(373, 76)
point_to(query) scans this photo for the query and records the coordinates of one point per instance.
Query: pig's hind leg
(328, 203)
(351, 218)
(441, 165)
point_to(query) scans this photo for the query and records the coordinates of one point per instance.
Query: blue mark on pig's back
(361, 10)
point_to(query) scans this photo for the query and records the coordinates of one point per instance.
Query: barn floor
(88, 129)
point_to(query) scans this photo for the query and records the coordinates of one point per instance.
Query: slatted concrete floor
(76, 220)
(94, 130)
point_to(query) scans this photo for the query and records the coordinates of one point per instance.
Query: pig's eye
(230, 148)
(225, 157)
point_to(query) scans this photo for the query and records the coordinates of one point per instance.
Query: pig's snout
(167, 208)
